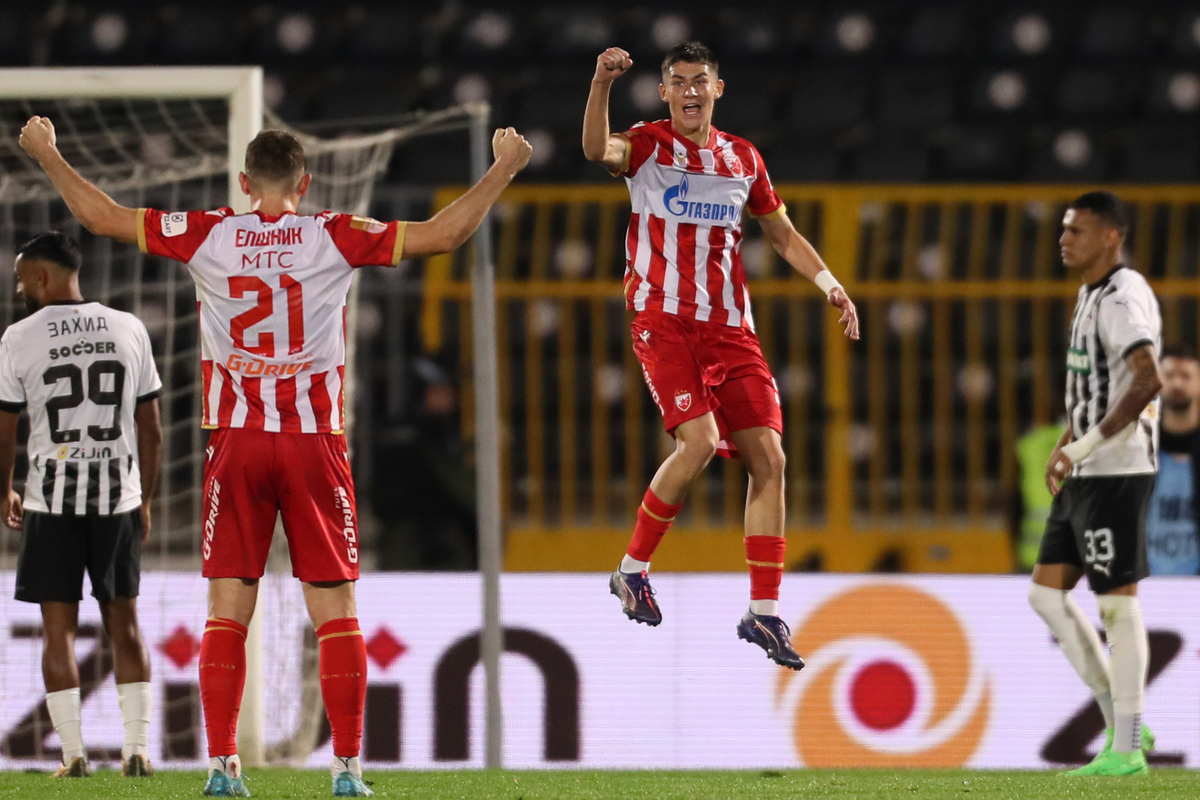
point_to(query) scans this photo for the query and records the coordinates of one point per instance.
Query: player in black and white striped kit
(1102, 475)
(85, 375)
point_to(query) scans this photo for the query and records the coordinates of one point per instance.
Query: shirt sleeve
(149, 384)
(1126, 323)
(763, 201)
(12, 391)
(639, 146)
(365, 242)
(176, 235)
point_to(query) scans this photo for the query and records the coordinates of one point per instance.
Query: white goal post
(241, 89)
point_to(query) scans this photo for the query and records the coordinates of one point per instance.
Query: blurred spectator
(1034, 499)
(424, 491)
(1171, 538)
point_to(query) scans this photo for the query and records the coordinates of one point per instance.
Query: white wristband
(826, 282)
(1079, 450)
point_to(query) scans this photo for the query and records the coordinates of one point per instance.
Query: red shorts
(694, 367)
(251, 477)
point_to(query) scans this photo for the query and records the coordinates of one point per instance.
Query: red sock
(654, 517)
(222, 678)
(343, 682)
(764, 557)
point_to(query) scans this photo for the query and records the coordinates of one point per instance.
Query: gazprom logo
(676, 202)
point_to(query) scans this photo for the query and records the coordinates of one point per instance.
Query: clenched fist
(511, 149)
(37, 137)
(611, 64)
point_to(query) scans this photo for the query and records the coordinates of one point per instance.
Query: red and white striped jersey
(272, 298)
(683, 248)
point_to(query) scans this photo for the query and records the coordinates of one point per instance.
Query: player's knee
(1043, 599)
(700, 449)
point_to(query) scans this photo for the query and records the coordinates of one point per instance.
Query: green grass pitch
(597, 785)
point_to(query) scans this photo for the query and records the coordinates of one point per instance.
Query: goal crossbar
(241, 87)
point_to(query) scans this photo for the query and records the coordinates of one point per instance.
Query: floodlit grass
(594, 785)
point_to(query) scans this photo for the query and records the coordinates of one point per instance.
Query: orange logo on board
(890, 682)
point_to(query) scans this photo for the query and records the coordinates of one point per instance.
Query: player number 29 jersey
(272, 296)
(80, 370)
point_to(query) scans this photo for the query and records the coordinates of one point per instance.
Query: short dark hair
(55, 247)
(275, 157)
(1107, 207)
(689, 53)
(1180, 350)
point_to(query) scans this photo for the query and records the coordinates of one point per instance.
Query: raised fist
(37, 137)
(511, 149)
(611, 64)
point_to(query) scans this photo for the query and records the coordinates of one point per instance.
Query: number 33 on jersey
(272, 297)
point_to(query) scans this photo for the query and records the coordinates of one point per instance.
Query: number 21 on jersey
(243, 285)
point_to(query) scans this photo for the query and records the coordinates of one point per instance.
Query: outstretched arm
(94, 209)
(797, 251)
(1146, 383)
(599, 144)
(454, 224)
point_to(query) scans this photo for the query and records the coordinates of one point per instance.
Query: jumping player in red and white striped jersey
(693, 328)
(271, 287)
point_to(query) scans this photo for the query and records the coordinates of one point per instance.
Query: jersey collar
(1107, 276)
(67, 302)
(271, 217)
(688, 143)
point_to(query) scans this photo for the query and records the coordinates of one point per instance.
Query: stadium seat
(752, 33)
(1162, 153)
(1113, 32)
(750, 101)
(937, 32)
(981, 154)
(1183, 39)
(212, 34)
(826, 100)
(891, 160)
(1173, 92)
(282, 35)
(574, 32)
(1004, 94)
(391, 35)
(802, 161)
(439, 159)
(350, 94)
(1087, 163)
(915, 98)
(554, 102)
(14, 45)
(1095, 93)
(1027, 33)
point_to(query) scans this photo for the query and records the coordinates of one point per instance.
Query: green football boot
(1110, 762)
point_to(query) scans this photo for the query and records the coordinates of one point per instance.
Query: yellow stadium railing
(901, 446)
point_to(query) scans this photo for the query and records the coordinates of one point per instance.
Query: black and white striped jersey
(80, 369)
(1113, 317)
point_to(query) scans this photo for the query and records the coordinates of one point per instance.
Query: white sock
(1078, 640)
(631, 566)
(768, 607)
(135, 710)
(1122, 615)
(64, 713)
(230, 765)
(1104, 700)
(351, 765)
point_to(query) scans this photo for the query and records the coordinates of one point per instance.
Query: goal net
(173, 153)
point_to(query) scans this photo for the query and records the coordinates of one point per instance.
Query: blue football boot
(773, 635)
(636, 594)
(347, 778)
(226, 782)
